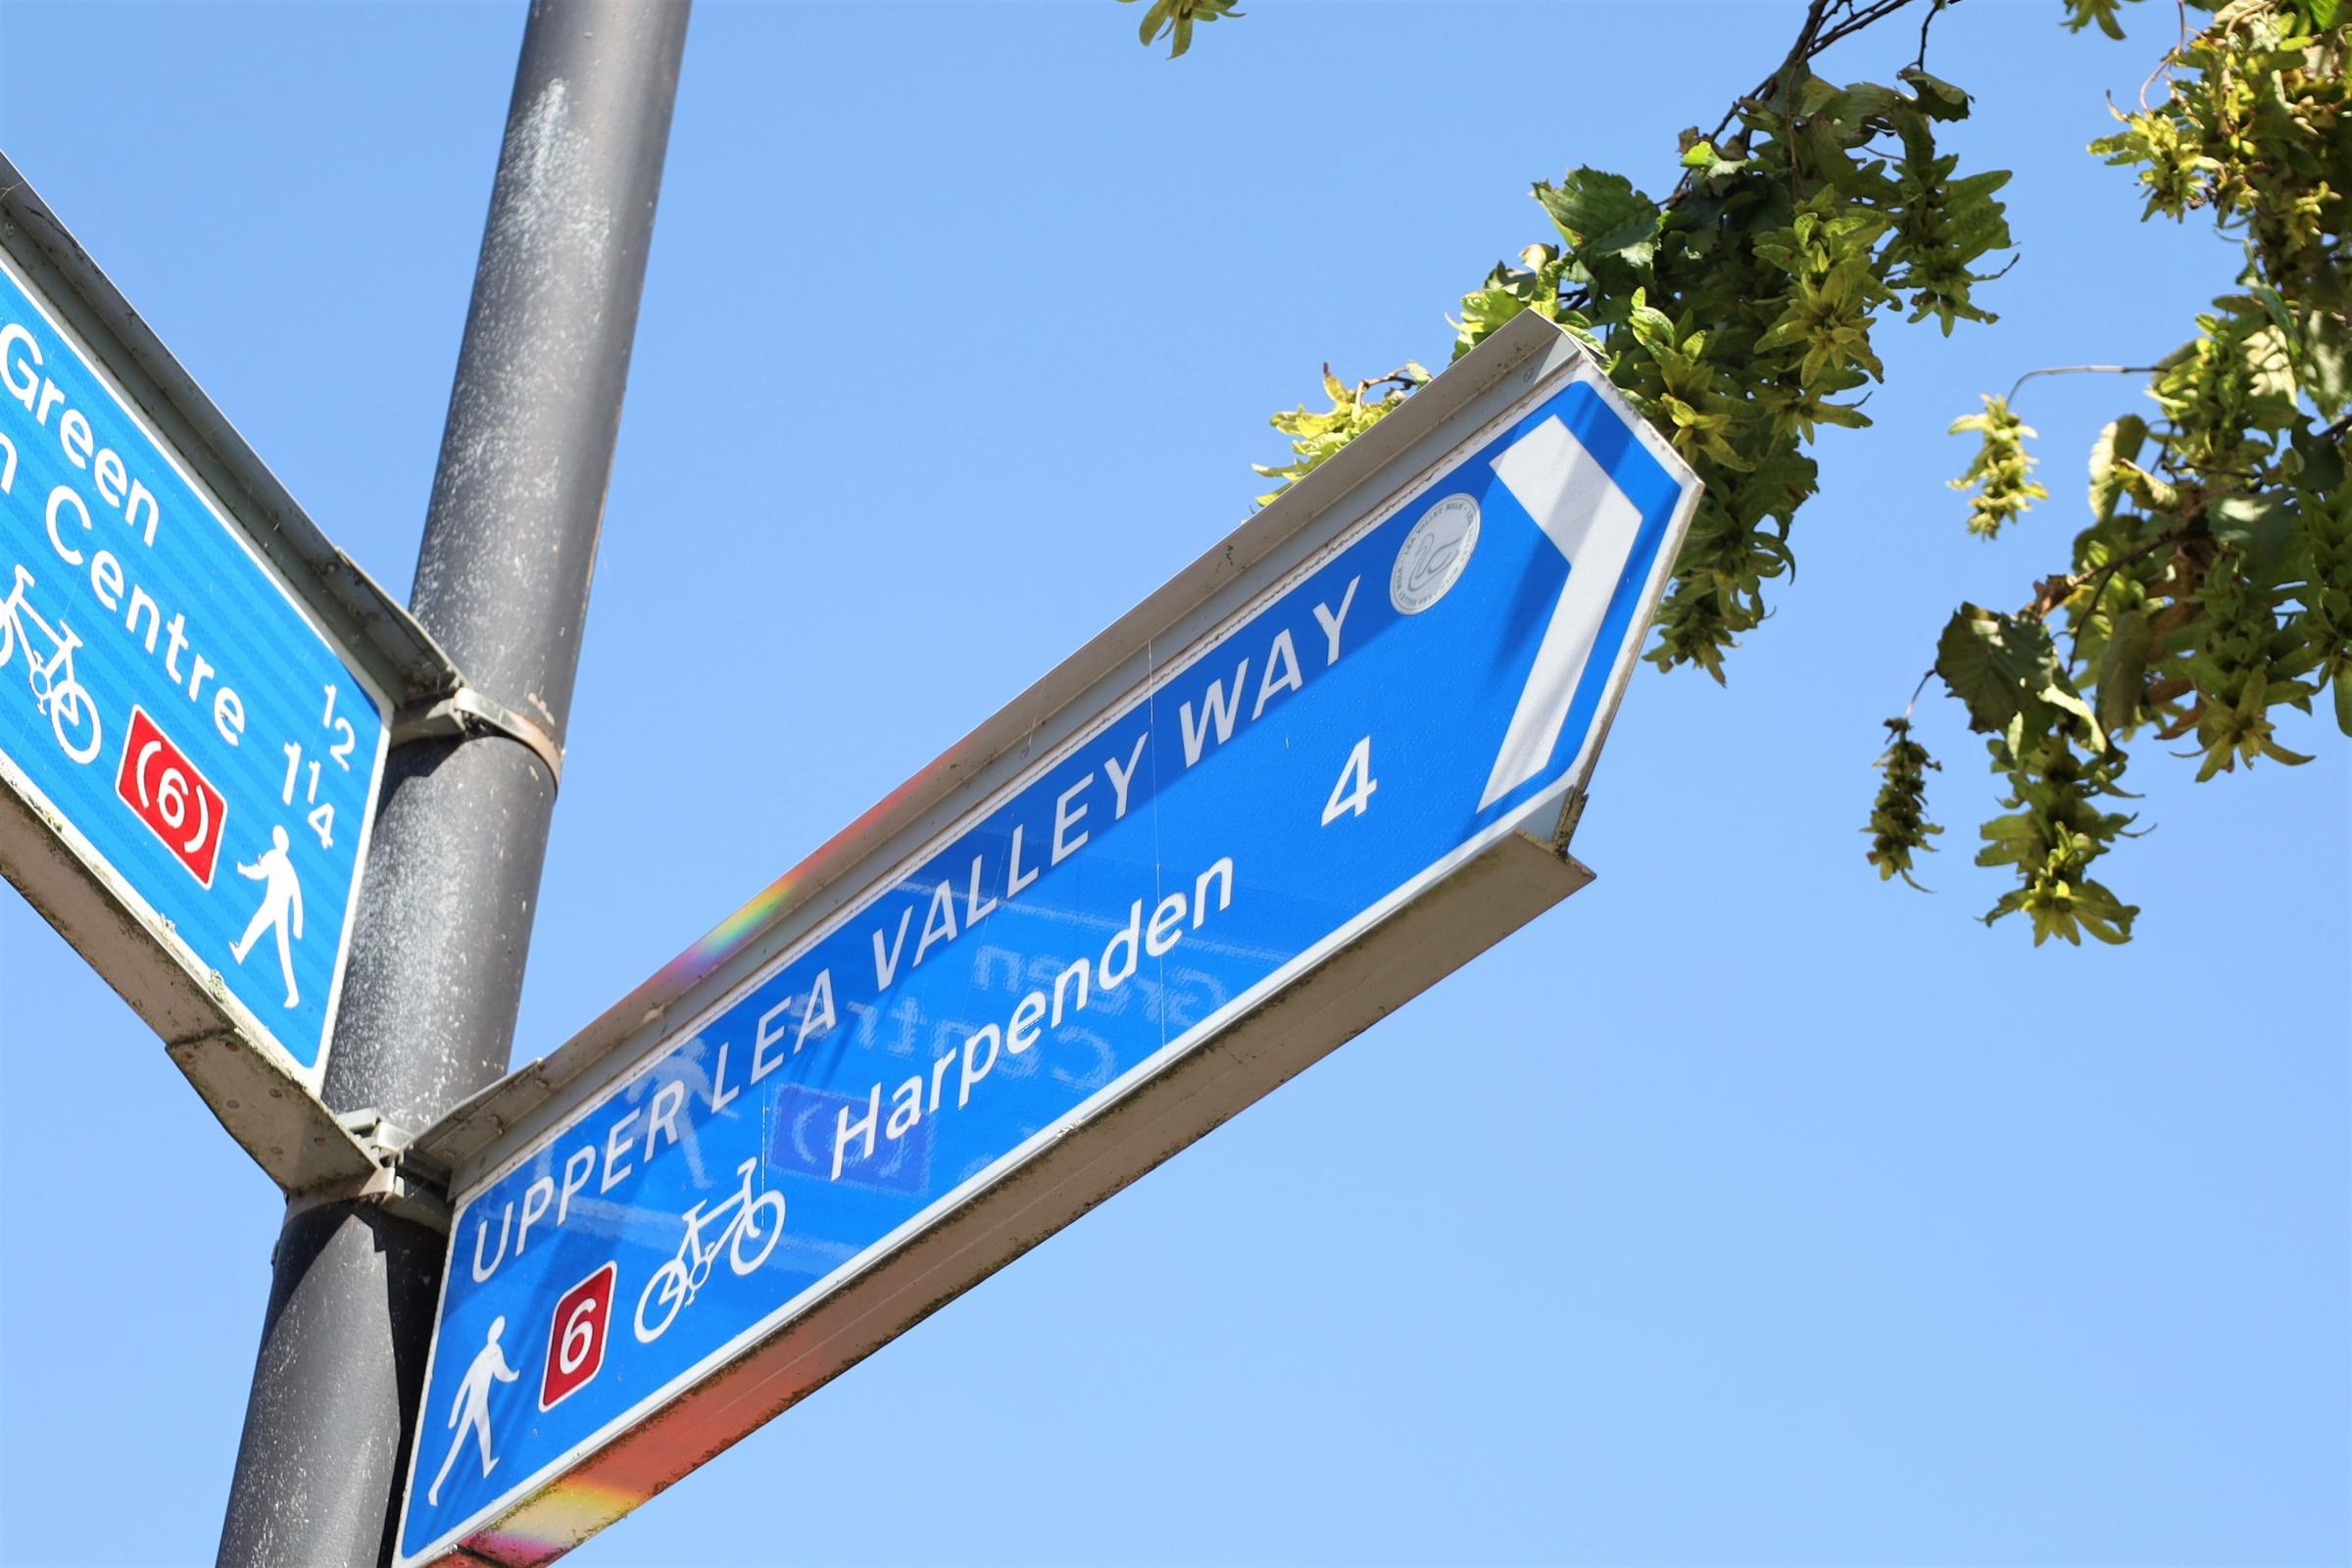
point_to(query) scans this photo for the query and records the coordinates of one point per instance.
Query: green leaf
(2081, 13)
(2061, 693)
(1651, 327)
(1176, 18)
(1867, 100)
(2123, 668)
(1588, 202)
(1937, 99)
(2343, 698)
(2325, 365)
(2323, 464)
(2005, 670)
(2119, 442)
(2261, 526)
(1993, 664)
(2103, 914)
(1633, 241)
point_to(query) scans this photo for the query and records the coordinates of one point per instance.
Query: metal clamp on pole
(467, 711)
(389, 1184)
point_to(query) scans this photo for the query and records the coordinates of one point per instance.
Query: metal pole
(444, 915)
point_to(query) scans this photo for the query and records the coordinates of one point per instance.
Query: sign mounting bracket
(466, 710)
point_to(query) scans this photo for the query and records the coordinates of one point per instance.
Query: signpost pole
(445, 914)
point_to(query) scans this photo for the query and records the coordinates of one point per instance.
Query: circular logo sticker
(1434, 555)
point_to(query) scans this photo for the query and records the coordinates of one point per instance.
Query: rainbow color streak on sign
(1366, 723)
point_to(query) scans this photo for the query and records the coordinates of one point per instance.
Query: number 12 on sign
(322, 816)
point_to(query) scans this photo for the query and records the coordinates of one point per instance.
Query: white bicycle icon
(71, 709)
(746, 1239)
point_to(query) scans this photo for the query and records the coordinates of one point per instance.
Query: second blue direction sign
(1370, 719)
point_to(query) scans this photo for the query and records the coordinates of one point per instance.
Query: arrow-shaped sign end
(1592, 522)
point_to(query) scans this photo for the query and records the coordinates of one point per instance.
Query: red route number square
(575, 1337)
(164, 790)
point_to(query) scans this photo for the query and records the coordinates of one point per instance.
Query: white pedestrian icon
(469, 1411)
(281, 906)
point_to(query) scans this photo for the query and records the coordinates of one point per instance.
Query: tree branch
(1816, 34)
(2051, 592)
(2081, 370)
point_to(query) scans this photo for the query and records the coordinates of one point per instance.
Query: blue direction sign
(1372, 719)
(167, 707)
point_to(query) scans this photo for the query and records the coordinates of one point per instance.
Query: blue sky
(1742, 1210)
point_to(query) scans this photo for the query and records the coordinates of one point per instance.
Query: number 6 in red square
(575, 1338)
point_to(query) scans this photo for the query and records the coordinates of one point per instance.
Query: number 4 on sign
(1353, 794)
(322, 816)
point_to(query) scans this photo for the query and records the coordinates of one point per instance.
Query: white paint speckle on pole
(452, 876)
